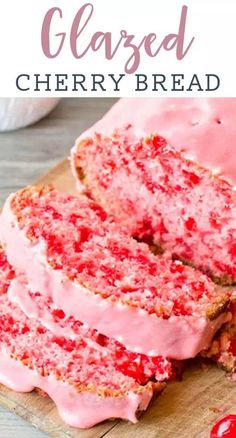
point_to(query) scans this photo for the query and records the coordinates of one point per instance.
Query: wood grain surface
(28, 153)
(187, 409)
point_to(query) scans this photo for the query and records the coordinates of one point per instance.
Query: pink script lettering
(108, 42)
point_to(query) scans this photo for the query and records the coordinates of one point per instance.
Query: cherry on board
(225, 428)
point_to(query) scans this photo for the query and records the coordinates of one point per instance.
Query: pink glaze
(18, 293)
(205, 128)
(178, 337)
(84, 409)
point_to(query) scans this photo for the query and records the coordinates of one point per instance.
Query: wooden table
(25, 155)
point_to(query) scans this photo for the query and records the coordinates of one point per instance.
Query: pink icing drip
(205, 128)
(176, 337)
(83, 409)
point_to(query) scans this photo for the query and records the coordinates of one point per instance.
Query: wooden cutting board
(187, 409)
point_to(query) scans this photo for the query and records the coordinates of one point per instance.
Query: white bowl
(22, 111)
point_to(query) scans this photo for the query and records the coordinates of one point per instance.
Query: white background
(211, 22)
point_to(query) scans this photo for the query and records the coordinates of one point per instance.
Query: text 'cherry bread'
(162, 198)
(94, 271)
(84, 378)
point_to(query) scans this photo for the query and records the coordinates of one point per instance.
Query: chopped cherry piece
(178, 188)
(158, 142)
(162, 228)
(179, 307)
(152, 269)
(102, 340)
(59, 341)
(41, 330)
(77, 246)
(67, 344)
(233, 250)
(190, 224)
(25, 330)
(84, 234)
(132, 369)
(225, 428)
(58, 313)
(111, 164)
(192, 177)
(177, 267)
(99, 211)
(119, 252)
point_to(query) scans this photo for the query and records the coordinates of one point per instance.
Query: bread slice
(162, 198)
(94, 271)
(139, 366)
(81, 376)
(223, 347)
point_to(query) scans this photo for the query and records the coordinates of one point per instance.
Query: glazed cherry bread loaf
(94, 271)
(162, 198)
(81, 376)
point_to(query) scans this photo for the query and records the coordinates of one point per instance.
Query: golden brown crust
(221, 281)
(78, 169)
(154, 387)
(225, 280)
(218, 308)
(41, 392)
(220, 349)
(17, 200)
(80, 174)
